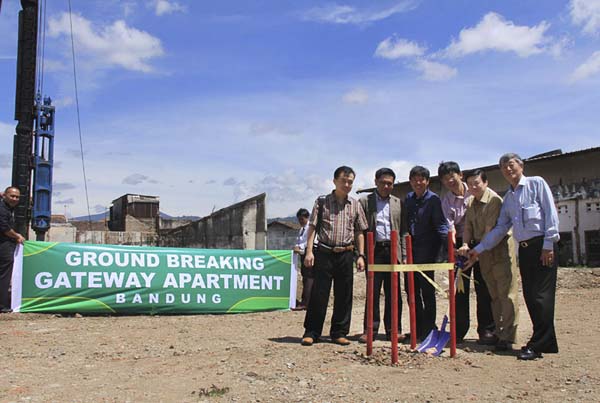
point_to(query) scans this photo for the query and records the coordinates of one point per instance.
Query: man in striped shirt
(338, 221)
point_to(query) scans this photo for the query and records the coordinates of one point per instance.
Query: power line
(87, 199)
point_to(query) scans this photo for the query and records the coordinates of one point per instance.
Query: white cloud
(108, 46)
(357, 96)
(434, 71)
(495, 33)
(586, 13)
(52, 65)
(62, 102)
(163, 7)
(395, 48)
(136, 179)
(558, 47)
(589, 68)
(286, 187)
(344, 14)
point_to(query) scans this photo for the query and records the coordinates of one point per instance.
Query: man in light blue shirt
(529, 209)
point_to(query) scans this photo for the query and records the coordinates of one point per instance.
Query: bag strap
(321, 203)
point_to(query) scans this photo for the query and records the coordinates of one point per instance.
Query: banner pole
(394, 296)
(370, 275)
(452, 297)
(411, 295)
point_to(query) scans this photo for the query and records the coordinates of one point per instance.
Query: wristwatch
(361, 255)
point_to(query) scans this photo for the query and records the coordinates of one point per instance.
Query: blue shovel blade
(443, 338)
(430, 341)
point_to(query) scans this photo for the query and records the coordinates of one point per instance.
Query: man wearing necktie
(384, 215)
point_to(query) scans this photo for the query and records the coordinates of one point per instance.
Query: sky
(207, 103)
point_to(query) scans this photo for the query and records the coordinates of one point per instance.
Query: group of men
(479, 222)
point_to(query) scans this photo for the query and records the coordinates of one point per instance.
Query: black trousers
(425, 309)
(539, 290)
(382, 256)
(485, 319)
(7, 251)
(336, 268)
(308, 279)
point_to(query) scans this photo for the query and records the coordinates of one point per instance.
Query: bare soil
(258, 358)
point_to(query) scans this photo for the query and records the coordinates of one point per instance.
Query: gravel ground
(258, 358)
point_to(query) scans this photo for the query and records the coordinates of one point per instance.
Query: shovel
(436, 339)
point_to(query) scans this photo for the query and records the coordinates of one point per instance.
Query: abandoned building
(132, 212)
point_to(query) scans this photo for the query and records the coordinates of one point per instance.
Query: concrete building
(132, 212)
(281, 235)
(574, 178)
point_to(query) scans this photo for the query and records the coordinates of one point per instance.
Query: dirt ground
(258, 358)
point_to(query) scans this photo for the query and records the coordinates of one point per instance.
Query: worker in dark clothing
(8, 241)
(429, 231)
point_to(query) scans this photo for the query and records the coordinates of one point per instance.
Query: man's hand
(473, 258)
(309, 260)
(547, 257)
(298, 250)
(463, 250)
(20, 238)
(360, 264)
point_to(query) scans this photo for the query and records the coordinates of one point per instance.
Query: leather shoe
(307, 341)
(299, 307)
(528, 354)
(487, 338)
(401, 337)
(363, 338)
(342, 341)
(503, 345)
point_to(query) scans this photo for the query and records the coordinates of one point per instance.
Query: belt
(383, 244)
(525, 244)
(335, 249)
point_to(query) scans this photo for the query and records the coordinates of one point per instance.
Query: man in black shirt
(8, 241)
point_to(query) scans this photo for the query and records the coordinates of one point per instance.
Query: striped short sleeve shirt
(340, 220)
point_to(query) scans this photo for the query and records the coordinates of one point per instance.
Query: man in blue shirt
(529, 209)
(429, 231)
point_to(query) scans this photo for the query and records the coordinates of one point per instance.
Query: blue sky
(205, 103)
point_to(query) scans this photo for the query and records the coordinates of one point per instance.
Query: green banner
(108, 279)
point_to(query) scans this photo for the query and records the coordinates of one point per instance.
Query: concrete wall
(240, 226)
(172, 223)
(118, 238)
(281, 237)
(135, 224)
(58, 233)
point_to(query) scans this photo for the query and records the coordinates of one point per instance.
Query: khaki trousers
(499, 269)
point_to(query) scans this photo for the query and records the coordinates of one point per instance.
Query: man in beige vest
(498, 265)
